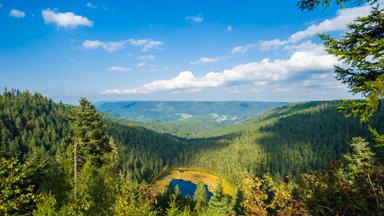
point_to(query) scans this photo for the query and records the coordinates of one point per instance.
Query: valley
(195, 176)
(271, 149)
(184, 118)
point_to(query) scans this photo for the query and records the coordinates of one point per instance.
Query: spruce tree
(219, 202)
(89, 146)
(87, 127)
(175, 205)
(237, 203)
(200, 198)
(312, 4)
(361, 51)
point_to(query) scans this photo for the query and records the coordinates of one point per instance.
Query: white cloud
(300, 62)
(197, 19)
(108, 46)
(304, 46)
(90, 5)
(147, 57)
(16, 13)
(243, 49)
(206, 60)
(150, 44)
(141, 64)
(229, 28)
(111, 46)
(118, 69)
(66, 20)
(272, 44)
(339, 23)
(324, 80)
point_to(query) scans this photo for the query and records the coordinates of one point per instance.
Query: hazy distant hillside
(189, 116)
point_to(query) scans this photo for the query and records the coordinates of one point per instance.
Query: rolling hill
(184, 118)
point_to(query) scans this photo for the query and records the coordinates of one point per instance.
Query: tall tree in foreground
(18, 183)
(89, 145)
(219, 203)
(362, 52)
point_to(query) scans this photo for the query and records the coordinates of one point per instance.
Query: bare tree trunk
(75, 167)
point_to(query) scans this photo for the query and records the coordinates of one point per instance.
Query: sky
(171, 49)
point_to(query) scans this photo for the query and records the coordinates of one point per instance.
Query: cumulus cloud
(90, 5)
(338, 23)
(141, 64)
(150, 44)
(266, 70)
(110, 46)
(66, 20)
(16, 13)
(206, 60)
(147, 57)
(243, 49)
(272, 44)
(197, 19)
(118, 69)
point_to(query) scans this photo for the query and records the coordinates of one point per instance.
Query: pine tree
(312, 4)
(219, 202)
(175, 205)
(89, 139)
(361, 51)
(131, 201)
(237, 203)
(200, 198)
(46, 206)
(89, 146)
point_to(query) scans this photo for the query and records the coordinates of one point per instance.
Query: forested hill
(287, 140)
(184, 118)
(36, 152)
(282, 141)
(32, 124)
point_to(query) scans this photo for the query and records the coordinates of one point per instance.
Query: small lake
(188, 188)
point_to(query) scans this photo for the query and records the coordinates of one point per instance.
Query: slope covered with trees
(290, 140)
(285, 141)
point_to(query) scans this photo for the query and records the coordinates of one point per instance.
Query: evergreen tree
(89, 140)
(46, 206)
(312, 4)
(200, 198)
(132, 201)
(175, 204)
(237, 203)
(361, 51)
(219, 202)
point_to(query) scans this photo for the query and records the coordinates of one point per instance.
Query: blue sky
(170, 50)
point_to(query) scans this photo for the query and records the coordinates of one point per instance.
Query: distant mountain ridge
(171, 111)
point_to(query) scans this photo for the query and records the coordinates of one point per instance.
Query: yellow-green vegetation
(195, 176)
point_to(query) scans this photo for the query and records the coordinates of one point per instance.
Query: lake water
(188, 188)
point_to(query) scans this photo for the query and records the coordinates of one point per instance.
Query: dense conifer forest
(281, 144)
(309, 158)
